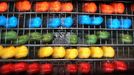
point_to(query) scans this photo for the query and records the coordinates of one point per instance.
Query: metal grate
(123, 51)
(79, 29)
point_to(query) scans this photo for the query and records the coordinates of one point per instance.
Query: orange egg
(132, 7)
(3, 6)
(55, 6)
(89, 7)
(107, 9)
(41, 6)
(23, 5)
(67, 7)
(118, 7)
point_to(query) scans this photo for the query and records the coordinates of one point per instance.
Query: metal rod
(31, 60)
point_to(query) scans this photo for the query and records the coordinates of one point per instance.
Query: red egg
(41, 6)
(23, 5)
(89, 7)
(67, 7)
(118, 7)
(84, 67)
(3, 6)
(72, 68)
(108, 67)
(46, 68)
(33, 68)
(20, 67)
(120, 65)
(55, 6)
(107, 9)
(7, 69)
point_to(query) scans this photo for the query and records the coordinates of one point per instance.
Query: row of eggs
(111, 23)
(55, 22)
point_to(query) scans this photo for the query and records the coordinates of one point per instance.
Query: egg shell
(84, 67)
(20, 67)
(96, 20)
(41, 6)
(67, 22)
(106, 8)
(113, 23)
(46, 68)
(89, 7)
(67, 7)
(33, 68)
(3, 6)
(72, 68)
(54, 22)
(35, 22)
(3, 20)
(23, 5)
(84, 19)
(126, 23)
(54, 6)
(12, 22)
(7, 69)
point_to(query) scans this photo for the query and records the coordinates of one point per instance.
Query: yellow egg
(59, 52)
(96, 52)
(8, 52)
(45, 52)
(1, 49)
(84, 52)
(108, 52)
(71, 53)
(21, 51)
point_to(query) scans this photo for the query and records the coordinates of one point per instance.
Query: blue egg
(3, 20)
(84, 19)
(67, 22)
(12, 22)
(35, 22)
(96, 20)
(113, 23)
(54, 22)
(126, 23)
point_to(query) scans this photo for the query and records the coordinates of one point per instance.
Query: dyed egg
(84, 19)
(89, 7)
(12, 22)
(113, 23)
(35, 22)
(55, 6)
(67, 22)
(96, 20)
(3, 6)
(54, 22)
(3, 20)
(67, 7)
(126, 23)
(41, 6)
(23, 5)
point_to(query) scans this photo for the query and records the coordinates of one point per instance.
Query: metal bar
(68, 13)
(67, 29)
(125, 1)
(31, 60)
(84, 45)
